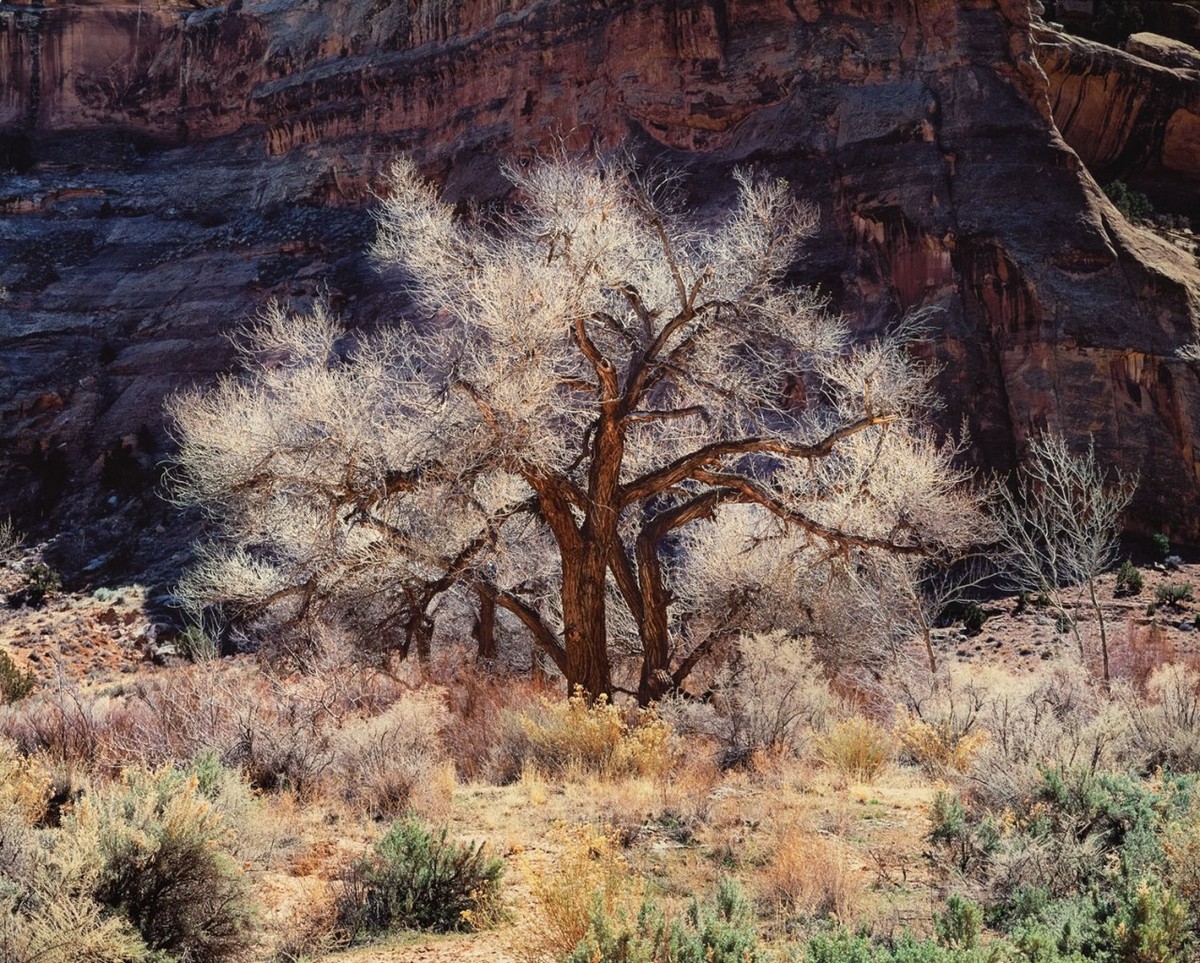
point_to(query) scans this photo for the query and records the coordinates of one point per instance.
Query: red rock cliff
(174, 168)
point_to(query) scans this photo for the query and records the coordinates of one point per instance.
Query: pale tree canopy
(608, 419)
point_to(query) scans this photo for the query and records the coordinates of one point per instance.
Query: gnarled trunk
(585, 633)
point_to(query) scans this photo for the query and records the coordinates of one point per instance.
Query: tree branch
(687, 466)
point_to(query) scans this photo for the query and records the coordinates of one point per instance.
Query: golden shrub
(590, 874)
(938, 748)
(596, 737)
(857, 748)
(25, 785)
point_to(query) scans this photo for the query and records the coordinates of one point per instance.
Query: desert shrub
(45, 924)
(11, 540)
(1174, 594)
(718, 931)
(578, 735)
(25, 785)
(959, 925)
(1165, 726)
(1181, 849)
(962, 842)
(57, 722)
(162, 864)
(15, 683)
(417, 879)
(1150, 927)
(773, 695)
(810, 874)
(973, 618)
(1076, 864)
(39, 583)
(1062, 719)
(393, 762)
(1162, 545)
(938, 720)
(857, 748)
(196, 645)
(480, 731)
(1129, 579)
(839, 945)
(590, 877)
(937, 748)
(1134, 205)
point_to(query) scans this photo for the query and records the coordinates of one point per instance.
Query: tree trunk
(655, 679)
(585, 634)
(1103, 632)
(484, 629)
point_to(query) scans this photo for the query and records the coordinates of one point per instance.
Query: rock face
(1129, 114)
(173, 169)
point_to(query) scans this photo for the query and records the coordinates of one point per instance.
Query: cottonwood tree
(606, 418)
(1058, 530)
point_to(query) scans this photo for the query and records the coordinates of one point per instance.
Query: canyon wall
(170, 169)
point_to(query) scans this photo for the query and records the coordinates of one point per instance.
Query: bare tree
(601, 398)
(1059, 528)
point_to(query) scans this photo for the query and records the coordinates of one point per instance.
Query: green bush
(1150, 927)
(15, 683)
(721, 931)
(1129, 579)
(967, 843)
(959, 926)
(163, 865)
(1162, 545)
(973, 618)
(418, 880)
(40, 582)
(1133, 204)
(1174, 594)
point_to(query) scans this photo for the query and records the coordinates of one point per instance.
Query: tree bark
(484, 629)
(585, 632)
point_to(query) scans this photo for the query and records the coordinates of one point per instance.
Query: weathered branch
(688, 465)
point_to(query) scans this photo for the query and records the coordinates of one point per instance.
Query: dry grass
(938, 748)
(857, 748)
(589, 872)
(812, 874)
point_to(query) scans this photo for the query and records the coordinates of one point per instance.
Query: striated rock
(233, 161)
(1125, 115)
(1163, 51)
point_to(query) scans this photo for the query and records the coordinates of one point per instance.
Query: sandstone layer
(171, 169)
(1130, 114)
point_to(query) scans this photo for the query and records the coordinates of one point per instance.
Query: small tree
(1059, 529)
(607, 419)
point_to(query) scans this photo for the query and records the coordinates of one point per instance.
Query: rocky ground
(100, 636)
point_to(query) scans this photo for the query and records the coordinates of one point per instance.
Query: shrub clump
(597, 737)
(1174, 594)
(39, 583)
(1129, 579)
(417, 879)
(15, 683)
(717, 931)
(138, 872)
(162, 863)
(857, 748)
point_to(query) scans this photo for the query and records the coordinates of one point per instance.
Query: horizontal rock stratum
(172, 168)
